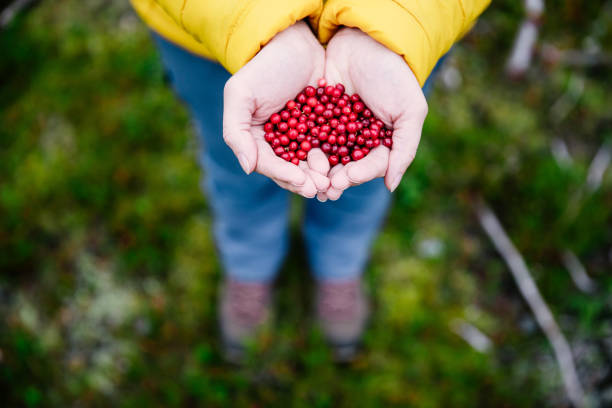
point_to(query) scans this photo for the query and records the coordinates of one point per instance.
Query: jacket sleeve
(233, 31)
(421, 31)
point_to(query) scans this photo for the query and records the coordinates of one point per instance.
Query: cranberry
(326, 117)
(357, 155)
(310, 91)
(275, 118)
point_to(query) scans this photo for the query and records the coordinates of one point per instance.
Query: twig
(472, 335)
(578, 272)
(526, 39)
(598, 167)
(530, 292)
(560, 152)
(12, 10)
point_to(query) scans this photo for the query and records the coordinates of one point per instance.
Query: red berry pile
(326, 117)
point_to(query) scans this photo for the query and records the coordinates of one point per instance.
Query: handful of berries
(326, 117)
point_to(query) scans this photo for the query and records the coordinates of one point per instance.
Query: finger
(321, 182)
(276, 168)
(370, 167)
(308, 190)
(333, 194)
(406, 137)
(237, 115)
(317, 161)
(322, 197)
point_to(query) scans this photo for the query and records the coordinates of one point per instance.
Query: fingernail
(322, 200)
(244, 163)
(396, 182)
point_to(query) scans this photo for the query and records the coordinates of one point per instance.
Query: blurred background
(108, 268)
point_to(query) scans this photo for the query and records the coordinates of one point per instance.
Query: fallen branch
(530, 292)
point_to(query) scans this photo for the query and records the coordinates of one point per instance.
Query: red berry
(279, 150)
(268, 127)
(305, 146)
(331, 139)
(315, 143)
(343, 151)
(285, 156)
(358, 107)
(322, 82)
(284, 140)
(357, 155)
(292, 122)
(285, 115)
(345, 160)
(293, 145)
(341, 140)
(293, 134)
(333, 160)
(312, 102)
(340, 87)
(269, 137)
(275, 118)
(351, 127)
(295, 161)
(326, 147)
(302, 127)
(290, 105)
(301, 98)
(301, 154)
(388, 142)
(310, 91)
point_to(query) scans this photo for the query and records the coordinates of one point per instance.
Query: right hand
(292, 60)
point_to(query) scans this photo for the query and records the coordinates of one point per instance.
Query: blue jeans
(251, 212)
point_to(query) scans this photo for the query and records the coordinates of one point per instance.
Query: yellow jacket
(233, 31)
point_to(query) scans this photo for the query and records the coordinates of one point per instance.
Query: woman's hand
(292, 60)
(391, 91)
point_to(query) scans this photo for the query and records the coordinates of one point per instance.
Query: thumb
(238, 109)
(406, 137)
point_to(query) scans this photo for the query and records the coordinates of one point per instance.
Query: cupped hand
(391, 91)
(292, 60)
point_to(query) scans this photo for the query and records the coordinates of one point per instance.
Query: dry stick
(578, 272)
(7, 15)
(526, 39)
(530, 292)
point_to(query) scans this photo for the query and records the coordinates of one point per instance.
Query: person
(235, 63)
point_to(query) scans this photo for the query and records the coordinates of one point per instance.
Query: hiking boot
(342, 312)
(244, 308)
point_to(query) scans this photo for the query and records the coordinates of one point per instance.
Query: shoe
(244, 309)
(342, 311)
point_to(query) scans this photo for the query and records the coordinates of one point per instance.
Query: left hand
(391, 91)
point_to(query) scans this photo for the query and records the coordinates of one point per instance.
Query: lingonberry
(326, 117)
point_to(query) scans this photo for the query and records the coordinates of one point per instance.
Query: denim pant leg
(339, 234)
(250, 212)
